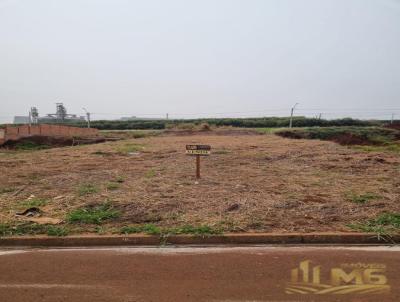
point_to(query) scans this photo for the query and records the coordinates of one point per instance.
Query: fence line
(15, 133)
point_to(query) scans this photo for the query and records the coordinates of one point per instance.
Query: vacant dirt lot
(249, 183)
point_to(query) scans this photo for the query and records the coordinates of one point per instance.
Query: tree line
(264, 122)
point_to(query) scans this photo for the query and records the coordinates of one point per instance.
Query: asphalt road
(201, 274)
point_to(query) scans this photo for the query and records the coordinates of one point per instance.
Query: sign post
(197, 166)
(198, 150)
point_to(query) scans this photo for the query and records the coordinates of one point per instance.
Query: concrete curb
(229, 239)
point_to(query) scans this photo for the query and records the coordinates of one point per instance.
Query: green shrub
(32, 229)
(361, 198)
(150, 173)
(34, 203)
(57, 231)
(6, 190)
(129, 148)
(112, 186)
(385, 223)
(22, 229)
(152, 229)
(86, 189)
(389, 219)
(196, 230)
(93, 215)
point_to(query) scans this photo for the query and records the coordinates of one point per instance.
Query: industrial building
(61, 116)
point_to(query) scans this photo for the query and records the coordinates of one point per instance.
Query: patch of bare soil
(349, 139)
(33, 142)
(346, 139)
(249, 183)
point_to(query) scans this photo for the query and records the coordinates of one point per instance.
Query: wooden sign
(198, 150)
(201, 150)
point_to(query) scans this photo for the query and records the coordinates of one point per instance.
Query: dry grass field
(251, 182)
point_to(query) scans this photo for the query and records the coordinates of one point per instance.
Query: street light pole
(87, 117)
(30, 117)
(291, 115)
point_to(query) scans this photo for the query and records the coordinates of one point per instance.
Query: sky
(200, 58)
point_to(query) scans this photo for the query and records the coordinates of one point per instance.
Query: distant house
(21, 119)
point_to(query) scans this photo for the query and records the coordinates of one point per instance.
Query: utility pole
(291, 115)
(87, 117)
(167, 115)
(391, 121)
